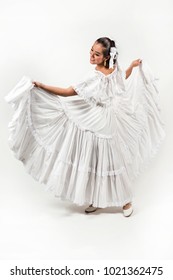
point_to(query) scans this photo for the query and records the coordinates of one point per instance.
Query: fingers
(36, 84)
(137, 62)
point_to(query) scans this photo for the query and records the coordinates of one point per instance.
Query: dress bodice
(100, 89)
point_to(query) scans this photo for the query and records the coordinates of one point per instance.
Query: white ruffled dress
(89, 147)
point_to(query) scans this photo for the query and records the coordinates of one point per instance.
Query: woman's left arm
(56, 90)
(134, 63)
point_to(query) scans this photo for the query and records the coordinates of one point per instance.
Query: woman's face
(96, 54)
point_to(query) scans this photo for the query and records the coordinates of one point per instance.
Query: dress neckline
(106, 75)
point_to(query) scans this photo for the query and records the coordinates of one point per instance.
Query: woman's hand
(136, 62)
(37, 84)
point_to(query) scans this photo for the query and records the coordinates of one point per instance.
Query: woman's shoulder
(89, 77)
(91, 74)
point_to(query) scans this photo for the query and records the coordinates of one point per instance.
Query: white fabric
(89, 147)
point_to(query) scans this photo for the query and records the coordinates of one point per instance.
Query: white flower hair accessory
(113, 54)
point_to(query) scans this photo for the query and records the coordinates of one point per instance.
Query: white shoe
(128, 212)
(90, 209)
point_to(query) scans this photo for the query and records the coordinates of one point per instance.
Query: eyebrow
(96, 51)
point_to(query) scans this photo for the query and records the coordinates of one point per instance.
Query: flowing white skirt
(66, 144)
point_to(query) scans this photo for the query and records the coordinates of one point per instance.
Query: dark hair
(107, 45)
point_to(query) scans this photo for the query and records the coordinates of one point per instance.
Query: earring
(105, 62)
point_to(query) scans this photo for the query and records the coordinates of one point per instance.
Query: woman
(89, 141)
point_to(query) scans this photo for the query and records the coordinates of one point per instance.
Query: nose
(91, 55)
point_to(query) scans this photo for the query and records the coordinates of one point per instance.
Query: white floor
(36, 225)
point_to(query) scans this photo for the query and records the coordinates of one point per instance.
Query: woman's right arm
(56, 90)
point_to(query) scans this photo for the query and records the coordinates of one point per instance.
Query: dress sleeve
(87, 89)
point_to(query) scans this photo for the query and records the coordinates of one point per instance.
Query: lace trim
(92, 170)
(81, 92)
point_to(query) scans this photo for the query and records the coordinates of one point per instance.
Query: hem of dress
(109, 204)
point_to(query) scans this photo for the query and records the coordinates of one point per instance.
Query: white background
(50, 41)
